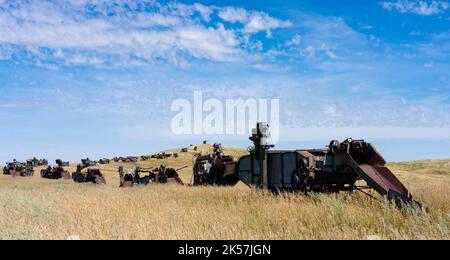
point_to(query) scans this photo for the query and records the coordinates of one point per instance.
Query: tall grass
(172, 212)
(42, 209)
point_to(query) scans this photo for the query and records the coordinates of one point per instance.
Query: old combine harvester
(88, 162)
(91, 175)
(104, 161)
(62, 163)
(338, 168)
(161, 156)
(145, 158)
(37, 162)
(129, 159)
(18, 169)
(215, 168)
(56, 172)
(161, 175)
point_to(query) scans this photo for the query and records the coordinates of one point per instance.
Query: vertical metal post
(264, 143)
(264, 172)
(260, 138)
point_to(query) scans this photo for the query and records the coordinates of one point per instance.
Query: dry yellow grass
(32, 208)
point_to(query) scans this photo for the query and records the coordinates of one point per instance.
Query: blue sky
(97, 78)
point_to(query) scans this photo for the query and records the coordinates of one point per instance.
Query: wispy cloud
(419, 7)
(253, 21)
(96, 32)
(294, 41)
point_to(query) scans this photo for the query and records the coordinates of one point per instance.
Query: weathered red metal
(66, 175)
(372, 169)
(384, 179)
(15, 174)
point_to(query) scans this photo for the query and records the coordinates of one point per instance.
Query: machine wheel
(298, 181)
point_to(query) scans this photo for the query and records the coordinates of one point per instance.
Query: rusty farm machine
(56, 172)
(89, 175)
(338, 168)
(18, 169)
(146, 176)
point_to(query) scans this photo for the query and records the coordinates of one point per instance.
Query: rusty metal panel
(175, 180)
(289, 166)
(376, 158)
(100, 179)
(385, 179)
(275, 168)
(245, 170)
(305, 154)
(66, 175)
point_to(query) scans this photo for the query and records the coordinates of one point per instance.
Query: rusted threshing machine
(37, 162)
(56, 172)
(129, 159)
(104, 161)
(338, 168)
(88, 162)
(91, 175)
(62, 163)
(145, 157)
(18, 169)
(161, 175)
(215, 168)
(161, 156)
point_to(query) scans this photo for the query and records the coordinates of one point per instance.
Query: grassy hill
(34, 208)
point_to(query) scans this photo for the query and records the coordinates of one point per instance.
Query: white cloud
(294, 41)
(323, 49)
(185, 10)
(214, 44)
(325, 38)
(356, 88)
(204, 11)
(253, 21)
(420, 7)
(234, 15)
(259, 21)
(155, 19)
(331, 111)
(270, 68)
(79, 59)
(119, 32)
(330, 54)
(365, 26)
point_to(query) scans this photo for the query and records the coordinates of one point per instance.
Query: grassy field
(33, 208)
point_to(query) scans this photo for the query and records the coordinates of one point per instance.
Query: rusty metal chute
(370, 166)
(383, 181)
